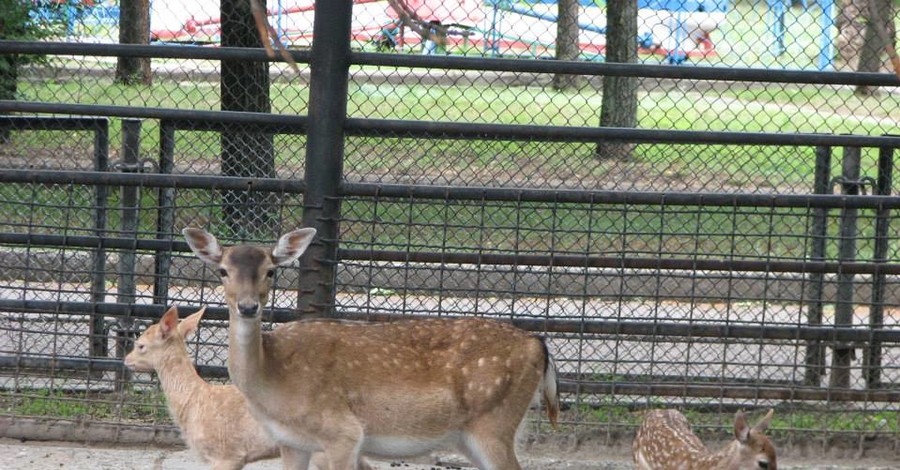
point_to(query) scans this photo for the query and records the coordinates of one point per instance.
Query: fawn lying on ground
(214, 419)
(394, 389)
(665, 441)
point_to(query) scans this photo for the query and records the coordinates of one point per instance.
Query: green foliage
(713, 424)
(45, 402)
(140, 407)
(14, 19)
(19, 21)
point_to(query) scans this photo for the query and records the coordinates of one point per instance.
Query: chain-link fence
(734, 247)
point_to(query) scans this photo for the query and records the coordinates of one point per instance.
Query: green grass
(784, 422)
(141, 407)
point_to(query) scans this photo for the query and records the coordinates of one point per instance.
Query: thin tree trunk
(619, 108)
(879, 30)
(134, 28)
(12, 26)
(9, 78)
(245, 152)
(567, 43)
(851, 27)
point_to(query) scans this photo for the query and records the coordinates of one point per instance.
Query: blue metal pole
(549, 17)
(826, 49)
(778, 8)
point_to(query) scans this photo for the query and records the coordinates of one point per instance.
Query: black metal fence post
(815, 353)
(165, 217)
(99, 341)
(872, 358)
(842, 353)
(329, 66)
(126, 291)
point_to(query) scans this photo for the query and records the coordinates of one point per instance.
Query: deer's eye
(223, 272)
(270, 273)
(763, 464)
(141, 347)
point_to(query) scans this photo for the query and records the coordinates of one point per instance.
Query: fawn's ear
(204, 245)
(189, 325)
(763, 424)
(291, 245)
(169, 322)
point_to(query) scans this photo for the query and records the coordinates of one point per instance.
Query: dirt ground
(32, 455)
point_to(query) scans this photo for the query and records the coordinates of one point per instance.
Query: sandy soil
(58, 455)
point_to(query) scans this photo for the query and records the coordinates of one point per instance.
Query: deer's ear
(204, 245)
(291, 245)
(169, 322)
(741, 428)
(763, 424)
(189, 325)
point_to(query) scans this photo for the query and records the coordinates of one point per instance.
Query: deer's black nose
(248, 310)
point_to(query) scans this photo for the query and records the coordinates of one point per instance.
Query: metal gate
(692, 284)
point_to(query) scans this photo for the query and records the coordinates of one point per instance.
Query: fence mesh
(629, 326)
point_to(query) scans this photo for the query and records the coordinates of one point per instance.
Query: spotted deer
(665, 442)
(395, 389)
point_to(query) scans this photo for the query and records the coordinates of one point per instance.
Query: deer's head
(156, 344)
(755, 445)
(247, 271)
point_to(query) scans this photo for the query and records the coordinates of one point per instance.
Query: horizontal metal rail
(692, 390)
(55, 123)
(619, 262)
(670, 330)
(679, 329)
(624, 70)
(92, 178)
(152, 180)
(291, 124)
(145, 311)
(732, 392)
(59, 363)
(156, 51)
(658, 198)
(279, 123)
(521, 132)
(461, 63)
(297, 126)
(32, 239)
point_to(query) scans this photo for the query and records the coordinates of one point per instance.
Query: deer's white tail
(549, 387)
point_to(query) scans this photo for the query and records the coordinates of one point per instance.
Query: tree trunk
(245, 152)
(851, 27)
(879, 30)
(567, 43)
(134, 28)
(619, 108)
(13, 21)
(9, 77)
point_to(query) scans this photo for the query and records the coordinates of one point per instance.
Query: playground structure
(675, 29)
(778, 27)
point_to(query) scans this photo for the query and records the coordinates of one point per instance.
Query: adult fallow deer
(665, 442)
(394, 390)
